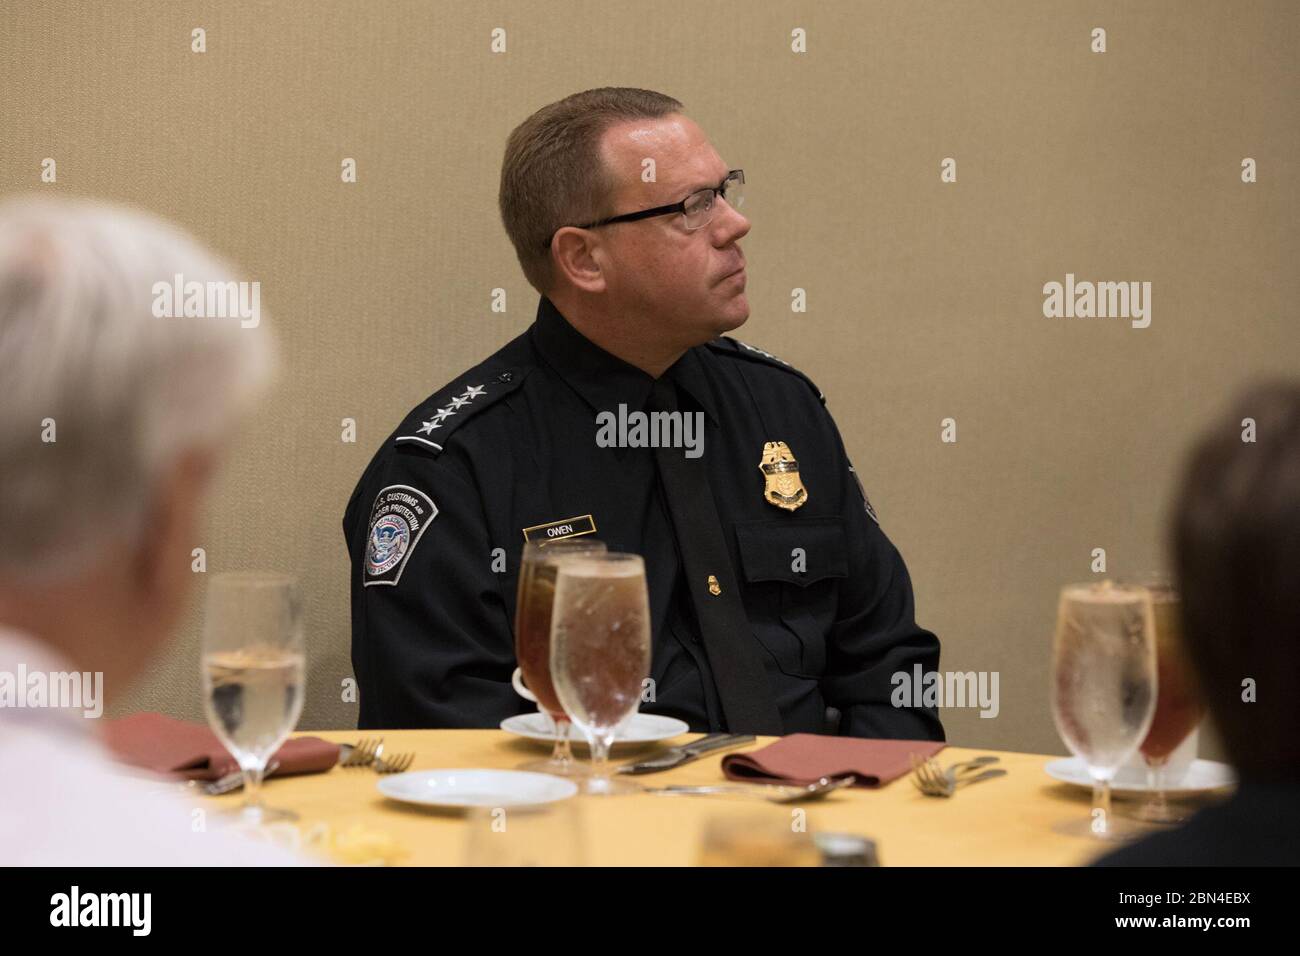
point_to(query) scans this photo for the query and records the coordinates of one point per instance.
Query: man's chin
(732, 316)
(722, 319)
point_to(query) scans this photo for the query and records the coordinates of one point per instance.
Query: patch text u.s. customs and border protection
(398, 519)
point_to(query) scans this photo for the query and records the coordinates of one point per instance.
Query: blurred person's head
(112, 420)
(1236, 542)
(650, 287)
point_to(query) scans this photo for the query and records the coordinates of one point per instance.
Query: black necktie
(743, 687)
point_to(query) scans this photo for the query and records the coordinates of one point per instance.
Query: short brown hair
(1236, 542)
(553, 174)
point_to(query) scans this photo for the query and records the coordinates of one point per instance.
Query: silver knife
(676, 756)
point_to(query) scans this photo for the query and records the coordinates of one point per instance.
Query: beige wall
(924, 299)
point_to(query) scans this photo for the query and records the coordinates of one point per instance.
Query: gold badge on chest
(782, 485)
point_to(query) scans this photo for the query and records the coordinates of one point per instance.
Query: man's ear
(577, 254)
(171, 519)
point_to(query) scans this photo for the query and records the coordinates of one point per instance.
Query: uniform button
(504, 377)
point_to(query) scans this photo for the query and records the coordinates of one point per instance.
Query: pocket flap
(768, 550)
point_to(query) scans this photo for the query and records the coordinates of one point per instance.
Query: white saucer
(1203, 776)
(639, 729)
(476, 788)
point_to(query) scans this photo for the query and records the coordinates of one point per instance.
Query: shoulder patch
(865, 501)
(729, 346)
(446, 410)
(398, 519)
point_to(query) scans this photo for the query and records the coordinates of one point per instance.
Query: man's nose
(731, 221)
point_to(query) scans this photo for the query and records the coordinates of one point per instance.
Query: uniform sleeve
(431, 638)
(875, 634)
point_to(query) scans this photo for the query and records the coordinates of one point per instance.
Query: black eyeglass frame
(677, 207)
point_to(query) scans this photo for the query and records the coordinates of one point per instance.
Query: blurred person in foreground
(112, 423)
(1236, 543)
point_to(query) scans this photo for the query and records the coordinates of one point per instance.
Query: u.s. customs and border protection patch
(865, 501)
(398, 519)
(782, 485)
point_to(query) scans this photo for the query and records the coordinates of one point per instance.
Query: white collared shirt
(64, 801)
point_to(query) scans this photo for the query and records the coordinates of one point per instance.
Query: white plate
(1203, 776)
(638, 729)
(476, 788)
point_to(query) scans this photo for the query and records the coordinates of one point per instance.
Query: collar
(605, 381)
(22, 653)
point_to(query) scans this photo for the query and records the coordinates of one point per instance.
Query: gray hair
(86, 361)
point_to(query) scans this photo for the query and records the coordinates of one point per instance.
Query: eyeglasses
(697, 207)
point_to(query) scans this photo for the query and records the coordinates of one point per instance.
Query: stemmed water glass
(600, 651)
(1178, 703)
(253, 668)
(1103, 682)
(533, 604)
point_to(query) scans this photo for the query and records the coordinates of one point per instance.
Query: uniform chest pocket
(791, 568)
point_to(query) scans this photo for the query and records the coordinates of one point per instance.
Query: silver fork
(361, 754)
(395, 764)
(967, 765)
(934, 782)
(953, 769)
(227, 784)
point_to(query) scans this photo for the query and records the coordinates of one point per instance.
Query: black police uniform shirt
(437, 523)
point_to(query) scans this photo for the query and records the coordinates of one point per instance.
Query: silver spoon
(774, 794)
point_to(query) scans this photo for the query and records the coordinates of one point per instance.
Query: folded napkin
(165, 745)
(806, 758)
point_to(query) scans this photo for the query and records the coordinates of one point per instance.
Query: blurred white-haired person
(114, 410)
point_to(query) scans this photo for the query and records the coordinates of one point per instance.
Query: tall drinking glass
(1103, 682)
(533, 603)
(253, 673)
(600, 651)
(1178, 703)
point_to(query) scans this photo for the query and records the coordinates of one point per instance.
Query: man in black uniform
(776, 599)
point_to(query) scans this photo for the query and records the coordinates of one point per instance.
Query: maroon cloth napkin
(806, 758)
(165, 745)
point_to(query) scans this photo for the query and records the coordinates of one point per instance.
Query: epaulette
(729, 346)
(449, 408)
